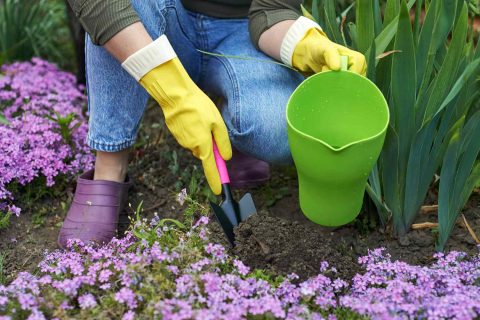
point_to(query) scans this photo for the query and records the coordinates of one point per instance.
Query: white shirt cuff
(156, 53)
(294, 35)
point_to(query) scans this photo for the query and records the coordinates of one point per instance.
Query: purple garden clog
(94, 213)
(247, 172)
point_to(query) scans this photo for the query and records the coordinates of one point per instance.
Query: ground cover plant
(167, 269)
(42, 130)
(428, 71)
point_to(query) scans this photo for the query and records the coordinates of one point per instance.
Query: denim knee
(267, 143)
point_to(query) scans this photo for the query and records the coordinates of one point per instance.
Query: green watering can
(337, 121)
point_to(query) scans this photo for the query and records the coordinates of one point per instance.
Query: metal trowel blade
(246, 207)
(226, 219)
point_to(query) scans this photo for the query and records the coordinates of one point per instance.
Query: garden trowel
(229, 212)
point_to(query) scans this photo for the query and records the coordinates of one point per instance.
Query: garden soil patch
(279, 239)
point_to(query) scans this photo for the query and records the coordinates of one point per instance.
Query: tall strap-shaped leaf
(352, 32)
(371, 74)
(391, 179)
(307, 14)
(458, 176)
(444, 22)
(331, 23)
(384, 65)
(388, 33)
(448, 71)
(438, 24)
(465, 78)
(477, 49)
(420, 171)
(425, 39)
(416, 22)
(365, 24)
(382, 209)
(447, 177)
(315, 12)
(377, 17)
(403, 94)
(392, 9)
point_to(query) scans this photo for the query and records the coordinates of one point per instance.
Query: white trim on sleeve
(149, 57)
(294, 34)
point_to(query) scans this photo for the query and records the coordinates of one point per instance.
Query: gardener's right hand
(189, 113)
(307, 48)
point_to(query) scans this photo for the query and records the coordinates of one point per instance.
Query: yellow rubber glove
(190, 114)
(316, 53)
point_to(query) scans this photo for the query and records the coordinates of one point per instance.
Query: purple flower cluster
(448, 289)
(186, 279)
(33, 97)
(178, 276)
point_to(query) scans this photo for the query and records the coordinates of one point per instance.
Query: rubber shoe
(247, 172)
(94, 213)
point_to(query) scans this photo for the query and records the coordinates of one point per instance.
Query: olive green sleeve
(265, 13)
(102, 19)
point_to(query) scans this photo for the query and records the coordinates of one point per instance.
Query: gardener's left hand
(307, 48)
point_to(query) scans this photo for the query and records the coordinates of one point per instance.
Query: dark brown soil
(279, 239)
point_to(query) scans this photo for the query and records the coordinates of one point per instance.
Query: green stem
(246, 58)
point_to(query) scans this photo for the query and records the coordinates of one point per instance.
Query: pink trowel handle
(221, 165)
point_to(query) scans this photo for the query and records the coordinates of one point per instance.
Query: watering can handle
(344, 63)
(221, 165)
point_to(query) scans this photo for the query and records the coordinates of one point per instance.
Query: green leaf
(375, 192)
(331, 23)
(392, 10)
(437, 26)
(460, 171)
(377, 17)
(403, 101)
(447, 176)
(420, 170)
(448, 71)
(32, 28)
(462, 81)
(315, 12)
(352, 32)
(307, 14)
(365, 24)
(416, 22)
(371, 72)
(390, 176)
(173, 221)
(383, 40)
(424, 42)
(3, 120)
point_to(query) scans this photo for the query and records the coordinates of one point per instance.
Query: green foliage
(5, 219)
(192, 177)
(3, 120)
(34, 28)
(65, 125)
(427, 71)
(460, 172)
(3, 278)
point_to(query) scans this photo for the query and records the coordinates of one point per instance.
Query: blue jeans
(254, 94)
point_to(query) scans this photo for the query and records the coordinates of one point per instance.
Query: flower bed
(44, 127)
(169, 270)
